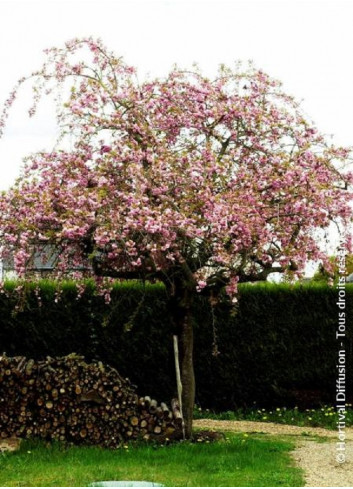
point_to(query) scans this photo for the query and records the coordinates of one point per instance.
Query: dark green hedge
(277, 347)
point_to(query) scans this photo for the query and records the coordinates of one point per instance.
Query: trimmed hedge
(278, 347)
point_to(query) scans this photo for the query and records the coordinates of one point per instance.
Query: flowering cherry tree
(198, 183)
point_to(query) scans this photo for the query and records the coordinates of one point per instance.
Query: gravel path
(317, 459)
(270, 428)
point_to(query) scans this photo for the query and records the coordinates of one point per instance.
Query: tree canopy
(218, 180)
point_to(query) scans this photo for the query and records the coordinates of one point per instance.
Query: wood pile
(70, 400)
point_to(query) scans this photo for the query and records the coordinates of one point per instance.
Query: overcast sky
(307, 45)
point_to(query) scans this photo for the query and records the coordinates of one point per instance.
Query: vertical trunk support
(186, 341)
(178, 379)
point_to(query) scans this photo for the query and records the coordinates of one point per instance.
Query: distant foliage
(324, 275)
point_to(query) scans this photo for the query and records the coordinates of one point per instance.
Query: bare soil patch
(9, 444)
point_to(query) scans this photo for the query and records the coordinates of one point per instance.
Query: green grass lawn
(324, 417)
(239, 460)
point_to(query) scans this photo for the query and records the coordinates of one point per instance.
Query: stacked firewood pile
(68, 399)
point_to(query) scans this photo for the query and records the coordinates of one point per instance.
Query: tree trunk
(180, 308)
